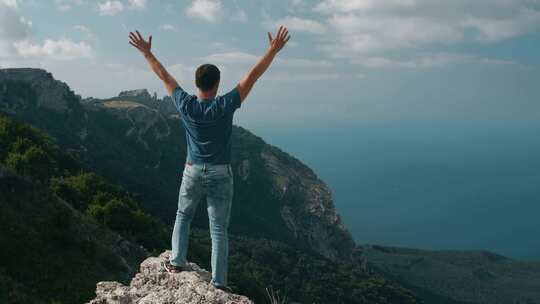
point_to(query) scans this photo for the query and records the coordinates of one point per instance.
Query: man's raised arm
(275, 45)
(145, 48)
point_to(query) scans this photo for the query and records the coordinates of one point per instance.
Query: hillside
(142, 147)
(286, 231)
(465, 276)
(50, 251)
(96, 153)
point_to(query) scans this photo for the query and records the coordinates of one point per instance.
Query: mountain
(465, 276)
(285, 229)
(137, 140)
(110, 161)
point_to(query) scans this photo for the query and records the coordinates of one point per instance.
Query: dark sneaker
(170, 268)
(224, 288)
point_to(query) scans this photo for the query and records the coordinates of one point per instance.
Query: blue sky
(347, 62)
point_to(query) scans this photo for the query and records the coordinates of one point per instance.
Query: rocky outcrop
(48, 92)
(153, 285)
(140, 94)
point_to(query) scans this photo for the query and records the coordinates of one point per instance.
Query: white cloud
(368, 34)
(66, 5)
(181, 72)
(303, 63)
(240, 16)
(363, 27)
(491, 29)
(285, 76)
(137, 4)
(16, 44)
(167, 27)
(13, 27)
(110, 8)
(231, 57)
(248, 58)
(296, 24)
(85, 31)
(63, 49)
(425, 61)
(297, 2)
(343, 6)
(207, 10)
(9, 3)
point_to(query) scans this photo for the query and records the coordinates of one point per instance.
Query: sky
(348, 61)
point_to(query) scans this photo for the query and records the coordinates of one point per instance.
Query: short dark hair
(207, 76)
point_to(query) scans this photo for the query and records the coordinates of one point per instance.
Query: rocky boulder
(153, 285)
(141, 96)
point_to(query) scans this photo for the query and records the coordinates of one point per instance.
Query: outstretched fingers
(284, 34)
(139, 35)
(136, 40)
(132, 37)
(278, 34)
(134, 45)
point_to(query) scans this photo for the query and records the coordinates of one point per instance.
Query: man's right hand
(277, 43)
(138, 42)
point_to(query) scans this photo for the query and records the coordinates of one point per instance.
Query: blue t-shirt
(208, 125)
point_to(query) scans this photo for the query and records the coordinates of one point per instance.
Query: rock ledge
(153, 285)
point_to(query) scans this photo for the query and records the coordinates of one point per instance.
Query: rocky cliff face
(139, 141)
(49, 93)
(153, 285)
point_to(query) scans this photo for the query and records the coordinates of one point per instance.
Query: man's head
(207, 78)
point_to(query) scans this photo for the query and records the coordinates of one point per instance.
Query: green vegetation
(307, 277)
(49, 250)
(31, 153)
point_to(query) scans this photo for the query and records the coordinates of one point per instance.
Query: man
(207, 119)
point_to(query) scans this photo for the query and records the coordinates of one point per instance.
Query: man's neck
(206, 95)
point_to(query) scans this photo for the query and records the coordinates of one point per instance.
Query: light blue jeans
(216, 183)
